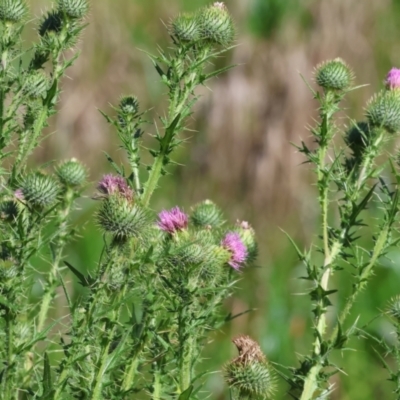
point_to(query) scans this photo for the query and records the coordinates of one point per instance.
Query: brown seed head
(249, 350)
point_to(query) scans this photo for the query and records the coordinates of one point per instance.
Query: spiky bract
(35, 85)
(334, 75)
(8, 210)
(358, 137)
(247, 234)
(129, 105)
(216, 25)
(393, 309)
(71, 173)
(12, 11)
(39, 190)
(122, 218)
(51, 23)
(383, 110)
(73, 8)
(185, 28)
(206, 214)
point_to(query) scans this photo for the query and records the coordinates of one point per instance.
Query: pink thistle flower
(173, 220)
(19, 194)
(111, 184)
(393, 79)
(234, 244)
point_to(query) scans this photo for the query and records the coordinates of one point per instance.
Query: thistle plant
(162, 276)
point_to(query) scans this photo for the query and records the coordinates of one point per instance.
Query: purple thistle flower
(173, 220)
(234, 244)
(111, 184)
(19, 194)
(393, 79)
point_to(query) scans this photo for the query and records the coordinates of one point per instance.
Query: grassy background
(241, 155)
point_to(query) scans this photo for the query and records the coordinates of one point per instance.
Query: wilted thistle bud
(249, 374)
(52, 23)
(122, 218)
(216, 24)
(247, 234)
(39, 190)
(334, 75)
(8, 210)
(35, 85)
(383, 110)
(206, 214)
(185, 28)
(71, 173)
(393, 309)
(12, 11)
(75, 9)
(358, 137)
(392, 80)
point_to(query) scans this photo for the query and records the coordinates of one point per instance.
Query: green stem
(157, 387)
(186, 364)
(99, 378)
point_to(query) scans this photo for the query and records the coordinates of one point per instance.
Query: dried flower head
(112, 184)
(172, 220)
(234, 244)
(249, 350)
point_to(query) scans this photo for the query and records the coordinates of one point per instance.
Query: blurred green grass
(293, 34)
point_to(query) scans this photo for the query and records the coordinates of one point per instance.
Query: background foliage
(241, 156)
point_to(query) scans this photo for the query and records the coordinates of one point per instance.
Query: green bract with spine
(12, 11)
(71, 173)
(393, 309)
(334, 75)
(8, 210)
(73, 8)
(383, 110)
(122, 218)
(35, 85)
(185, 28)
(251, 380)
(206, 214)
(39, 190)
(216, 25)
(129, 105)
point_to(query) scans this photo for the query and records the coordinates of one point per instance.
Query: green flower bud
(216, 25)
(383, 110)
(249, 374)
(206, 214)
(40, 57)
(35, 85)
(12, 11)
(71, 173)
(75, 9)
(247, 234)
(334, 75)
(39, 190)
(129, 105)
(8, 210)
(185, 28)
(122, 218)
(393, 309)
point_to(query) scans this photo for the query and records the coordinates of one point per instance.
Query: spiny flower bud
(8, 210)
(173, 220)
(247, 234)
(129, 105)
(249, 374)
(185, 28)
(358, 136)
(383, 110)
(216, 24)
(393, 309)
(392, 80)
(75, 9)
(12, 11)
(71, 173)
(35, 85)
(122, 218)
(333, 75)
(39, 190)
(206, 214)
(233, 243)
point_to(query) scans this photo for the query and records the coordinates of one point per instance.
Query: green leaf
(48, 391)
(83, 280)
(186, 394)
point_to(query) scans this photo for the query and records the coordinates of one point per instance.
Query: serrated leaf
(83, 280)
(186, 394)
